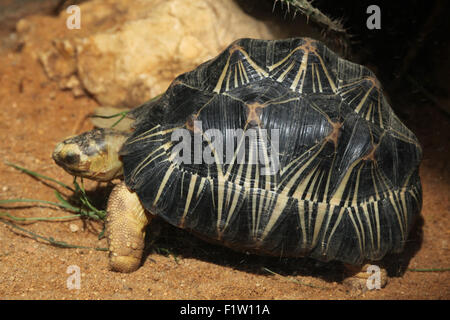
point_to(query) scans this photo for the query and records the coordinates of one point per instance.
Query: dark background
(409, 54)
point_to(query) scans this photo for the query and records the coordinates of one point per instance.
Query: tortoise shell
(279, 148)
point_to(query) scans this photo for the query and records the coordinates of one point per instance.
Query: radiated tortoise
(278, 148)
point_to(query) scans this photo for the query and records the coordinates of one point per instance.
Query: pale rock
(73, 227)
(128, 51)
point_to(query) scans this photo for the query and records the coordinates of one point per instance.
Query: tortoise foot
(360, 279)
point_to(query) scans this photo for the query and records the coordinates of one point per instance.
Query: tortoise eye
(71, 158)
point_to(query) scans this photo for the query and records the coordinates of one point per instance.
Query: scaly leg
(125, 229)
(358, 277)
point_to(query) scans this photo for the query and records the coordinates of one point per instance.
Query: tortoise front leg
(125, 229)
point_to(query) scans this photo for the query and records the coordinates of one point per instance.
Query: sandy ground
(36, 115)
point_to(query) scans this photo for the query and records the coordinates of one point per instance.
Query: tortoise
(274, 147)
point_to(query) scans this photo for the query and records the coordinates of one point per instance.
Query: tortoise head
(93, 154)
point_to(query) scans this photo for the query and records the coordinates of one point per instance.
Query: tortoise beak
(57, 152)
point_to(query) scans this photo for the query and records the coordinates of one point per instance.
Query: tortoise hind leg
(366, 277)
(125, 229)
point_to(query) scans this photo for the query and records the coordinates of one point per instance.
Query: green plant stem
(64, 205)
(51, 240)
(15, 218)
(33, 200)
(430, 270)
(38, 175)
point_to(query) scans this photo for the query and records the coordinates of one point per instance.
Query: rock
(73, 227)
(59, 62)
(105, 111)
(129, 51)
(72, 83)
